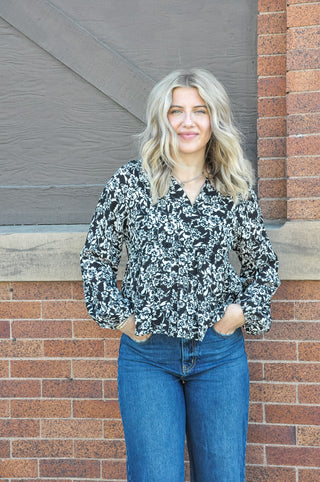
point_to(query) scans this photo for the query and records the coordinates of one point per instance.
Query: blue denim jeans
(172, 388)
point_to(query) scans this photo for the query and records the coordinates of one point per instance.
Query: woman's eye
(201, 111)
(175, 111)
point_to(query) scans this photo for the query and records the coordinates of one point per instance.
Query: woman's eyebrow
(194, 107)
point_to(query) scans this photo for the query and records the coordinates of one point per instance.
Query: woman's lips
(188, 135)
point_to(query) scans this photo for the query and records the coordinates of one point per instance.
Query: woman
(180, 210)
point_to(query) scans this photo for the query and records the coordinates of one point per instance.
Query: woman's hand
(232, 319)
(129, 329)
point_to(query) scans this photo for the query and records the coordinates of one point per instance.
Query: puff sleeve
(101, 254)
(259, 266)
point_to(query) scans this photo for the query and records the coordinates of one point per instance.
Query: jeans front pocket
(143, 342)
(221, 335)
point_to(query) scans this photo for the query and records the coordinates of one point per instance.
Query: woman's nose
(188, 121)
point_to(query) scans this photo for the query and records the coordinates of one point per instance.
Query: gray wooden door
(74, 80)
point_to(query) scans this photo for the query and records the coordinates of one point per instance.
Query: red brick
(270, 23)
(309, 310)
(74, 348)
(272, 188)
(40, 479)
(69, 309)
(42, 448)
(100, 449)
(96, 409)
(309, 351)
(302, 456)
(72, 388)
(292, 372)
(271, 434)
(303, 15)
(262, 474)
(304, 59)
(4, 449)
(4, 369)
(298, 290)
(273, 392)
(271, 5)
(20, 349)
(256, 371)
(304, 145)
(42, 329)
(309, 394)
(70, 468)
(110, 389)
(293, 331)
(66, 429)
(309, 436)
(290, 2)
(303, 103)
(4, 329)
(114, 471)
(5, 291)
(273, 209)
(282, 310)
(77, 290)
(301, 38)
(303, 209)
(271, 107)
(272, 44)
(305, 187)
(40, 408)
(19, 468)
(303, 166)
(303, 81)
(113, 429)
(111, 348)
(271, 65)
(40, 369)
(19, 428)
(4, 408)
(91, 329)
(303, 124)
(20, 388)
(271, 86)
(271, 168)
(94, 369)
(19, 309)
(41, 290)
(256, 412)
(309, 475)
(272, 127)
(271, 350)
(293, 414)
(254, 454)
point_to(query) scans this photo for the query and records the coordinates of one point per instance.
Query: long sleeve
(259, 266)
(101, 255)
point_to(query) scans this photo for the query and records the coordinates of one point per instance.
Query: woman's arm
(259, 267)
(101, 255)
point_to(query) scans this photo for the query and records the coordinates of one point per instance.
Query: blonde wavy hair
(227, 169)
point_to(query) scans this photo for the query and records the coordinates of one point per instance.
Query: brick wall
(59, 415)
(289, 109)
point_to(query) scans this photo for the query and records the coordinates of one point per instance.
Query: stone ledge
(51, 253)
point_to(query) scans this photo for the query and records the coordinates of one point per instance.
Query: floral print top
(178, 280)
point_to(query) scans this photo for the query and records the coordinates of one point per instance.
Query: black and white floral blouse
(178, 279)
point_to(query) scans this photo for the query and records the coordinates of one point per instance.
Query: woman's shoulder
(129, 172)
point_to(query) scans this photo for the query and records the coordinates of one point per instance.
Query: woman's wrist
(124, 323)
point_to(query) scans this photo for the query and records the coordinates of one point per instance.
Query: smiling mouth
(188, 135)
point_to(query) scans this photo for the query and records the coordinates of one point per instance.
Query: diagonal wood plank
(74, 46)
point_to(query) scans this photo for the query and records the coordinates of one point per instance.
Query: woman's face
(189, 118)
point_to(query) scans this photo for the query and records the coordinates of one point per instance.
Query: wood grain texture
(68, 110)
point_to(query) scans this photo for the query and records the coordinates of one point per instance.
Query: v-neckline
(185, 195)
